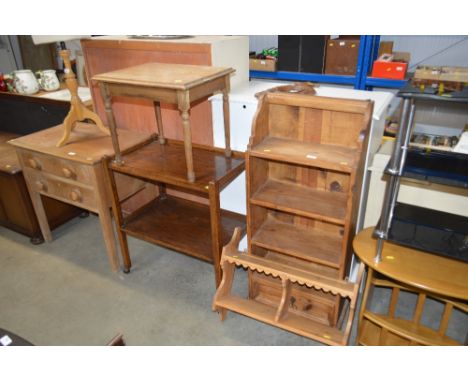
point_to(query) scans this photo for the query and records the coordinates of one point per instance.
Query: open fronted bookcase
(303, 166)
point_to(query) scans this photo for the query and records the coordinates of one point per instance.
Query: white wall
(432, 50)
(258, 43)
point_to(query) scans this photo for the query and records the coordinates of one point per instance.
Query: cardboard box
(388, 67)
(442, 73)
(341, 56)
(264, 65)
(386, 47)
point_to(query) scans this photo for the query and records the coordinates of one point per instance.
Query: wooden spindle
(78, 111)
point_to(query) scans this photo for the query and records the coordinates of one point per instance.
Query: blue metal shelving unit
(368, 51)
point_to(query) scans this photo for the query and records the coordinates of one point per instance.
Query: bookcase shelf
(330, 157)
(312, 245)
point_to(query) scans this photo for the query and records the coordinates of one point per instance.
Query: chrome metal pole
(394, 170)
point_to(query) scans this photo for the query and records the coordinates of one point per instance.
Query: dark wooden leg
(216, 237)
(111, 121)
(227, 122)
(162, 191)
(157, 109)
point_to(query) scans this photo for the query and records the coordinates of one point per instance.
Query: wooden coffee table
(425, 275)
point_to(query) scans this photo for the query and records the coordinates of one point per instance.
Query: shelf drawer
(62, 189)
(59, 167)
(305, 302)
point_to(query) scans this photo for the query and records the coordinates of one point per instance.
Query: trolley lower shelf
(163, 220)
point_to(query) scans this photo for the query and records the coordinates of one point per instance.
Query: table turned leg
(111, 121)
(227, 124)
(184, 107)
(157, 109)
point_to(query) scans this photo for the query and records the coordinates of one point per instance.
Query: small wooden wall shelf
(284, 314)
(198, 226)
(303, 166)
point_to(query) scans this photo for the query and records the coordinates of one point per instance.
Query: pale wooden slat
(393, 301)
(419, 307)
(445, 318)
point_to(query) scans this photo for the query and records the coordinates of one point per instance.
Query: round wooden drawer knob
(34, 164)
(41, 186)
(75, 195)
(335, 186)
(68, 173)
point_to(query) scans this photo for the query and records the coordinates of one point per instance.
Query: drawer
(62, 189)
(56, 166)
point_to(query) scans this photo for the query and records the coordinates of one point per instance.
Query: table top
(419, 269)
(170, 76)
(87, 144)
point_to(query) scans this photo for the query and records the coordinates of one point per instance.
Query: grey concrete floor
(64, 293)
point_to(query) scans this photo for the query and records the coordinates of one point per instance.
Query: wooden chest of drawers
(72, 174)
(16, 210)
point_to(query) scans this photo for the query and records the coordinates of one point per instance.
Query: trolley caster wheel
(84, 214)
(36, 240)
